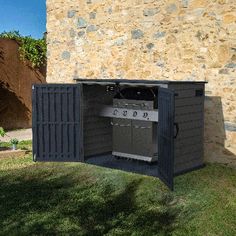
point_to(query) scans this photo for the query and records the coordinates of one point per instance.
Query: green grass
(25, 145)
(79, 199)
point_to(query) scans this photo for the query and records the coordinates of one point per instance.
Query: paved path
(21, 134)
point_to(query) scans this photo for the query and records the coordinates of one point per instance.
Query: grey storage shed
(149, 127)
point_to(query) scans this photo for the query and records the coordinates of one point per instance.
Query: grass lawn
(80, 199)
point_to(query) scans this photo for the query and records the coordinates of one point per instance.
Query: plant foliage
(30, 49)
(2, 132)
(14, 141)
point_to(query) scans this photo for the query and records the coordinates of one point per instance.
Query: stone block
(231, 65)
(82, 23)
(71, 13)
(150, 46)
(150, 11)
(171, 8)
(159, 34)
(91, 28)
(137, 34)
(65, 55)
(229, 18)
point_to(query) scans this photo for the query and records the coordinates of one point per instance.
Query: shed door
(166, 113)
(56, 122)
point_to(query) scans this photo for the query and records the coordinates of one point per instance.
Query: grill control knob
(124, 113)
(115, 112)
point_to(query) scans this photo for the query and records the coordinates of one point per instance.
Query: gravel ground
(21, 134)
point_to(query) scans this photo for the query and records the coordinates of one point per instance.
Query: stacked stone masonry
(152, 39)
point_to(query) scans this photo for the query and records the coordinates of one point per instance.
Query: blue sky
(27, 16)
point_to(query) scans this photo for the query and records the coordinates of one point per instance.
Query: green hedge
(30, 49)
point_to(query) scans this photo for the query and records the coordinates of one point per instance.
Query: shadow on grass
(39, 201)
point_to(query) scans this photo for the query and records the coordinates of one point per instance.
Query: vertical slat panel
(77, 117)
(46, 121)
(166, 113)
(60, 132)
(70, 128)
(34, 121)
(67, 125)
(41, 128)
(56, 122)
(52, 119)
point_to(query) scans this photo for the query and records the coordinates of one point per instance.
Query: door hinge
(34, 157)
(177, 130)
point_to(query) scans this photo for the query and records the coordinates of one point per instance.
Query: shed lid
(131, 81)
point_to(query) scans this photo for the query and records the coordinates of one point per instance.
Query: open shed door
(56, 122)
(166, 111)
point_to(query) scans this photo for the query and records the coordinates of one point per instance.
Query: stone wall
(150, 39)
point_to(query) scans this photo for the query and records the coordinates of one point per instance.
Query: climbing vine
(30, 49)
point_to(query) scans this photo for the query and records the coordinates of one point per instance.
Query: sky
(26, 16)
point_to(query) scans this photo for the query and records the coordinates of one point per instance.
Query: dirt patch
(16, 79)
(8, 152)
(21, 134)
